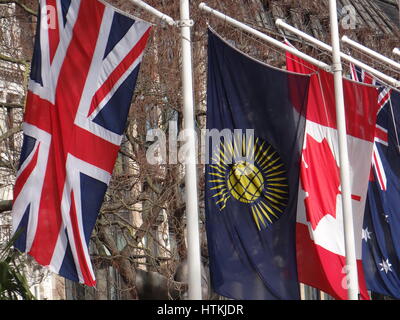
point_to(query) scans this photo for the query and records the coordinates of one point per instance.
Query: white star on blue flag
(386, 266)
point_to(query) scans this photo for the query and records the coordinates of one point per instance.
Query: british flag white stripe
(378, 166)
(60, 251)
(384, 96)
(45, 47)
(65, 33)
(101, 70)
(112, 136)
(96, 66)
(353, 71)
(76, 166)
(25, 192)
(50, 72)
(31, 192)
(59, 14)
(121, 50)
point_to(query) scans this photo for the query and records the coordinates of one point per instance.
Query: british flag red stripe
(384, 96)
(83, 75)
(381, 135)
(379, 170)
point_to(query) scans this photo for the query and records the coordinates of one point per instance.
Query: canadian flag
(319, 230)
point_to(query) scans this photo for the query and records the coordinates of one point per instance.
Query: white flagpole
(351, 260)
(154, 11)
(264, 37)
(391, 81)
(370, 52)
(192, 216)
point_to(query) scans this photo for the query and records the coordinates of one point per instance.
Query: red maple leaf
(320, 179)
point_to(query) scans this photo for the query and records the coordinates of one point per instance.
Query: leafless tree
(139, 238)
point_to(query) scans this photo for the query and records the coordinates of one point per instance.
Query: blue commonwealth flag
(255, 122)
(381, 230)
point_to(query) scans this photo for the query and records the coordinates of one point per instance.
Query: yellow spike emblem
(259, 181)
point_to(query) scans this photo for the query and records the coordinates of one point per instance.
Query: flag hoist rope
(370, 52)
(389, 80)
(344, 163)
(192, 207)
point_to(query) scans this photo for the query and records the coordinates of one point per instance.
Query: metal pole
(396, 51)
(263, 36)
(192, 216)
(154, 11)
(371, 52)
(351, 259)
(391, 81)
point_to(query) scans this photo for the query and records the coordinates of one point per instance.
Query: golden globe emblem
(245, 182)
(260, 181)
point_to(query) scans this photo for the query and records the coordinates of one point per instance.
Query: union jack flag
(381, 133)
(84, 70)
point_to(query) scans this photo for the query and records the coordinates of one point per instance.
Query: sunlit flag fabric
(381, 230)
(320, 234)
(252, 181)
(84, 69)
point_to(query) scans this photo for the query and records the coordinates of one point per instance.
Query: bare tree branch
(12, 105)
(10, 132)
(5, 205)
(21, 5)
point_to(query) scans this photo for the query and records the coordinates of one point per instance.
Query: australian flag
(253, 174)
(381, 230)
